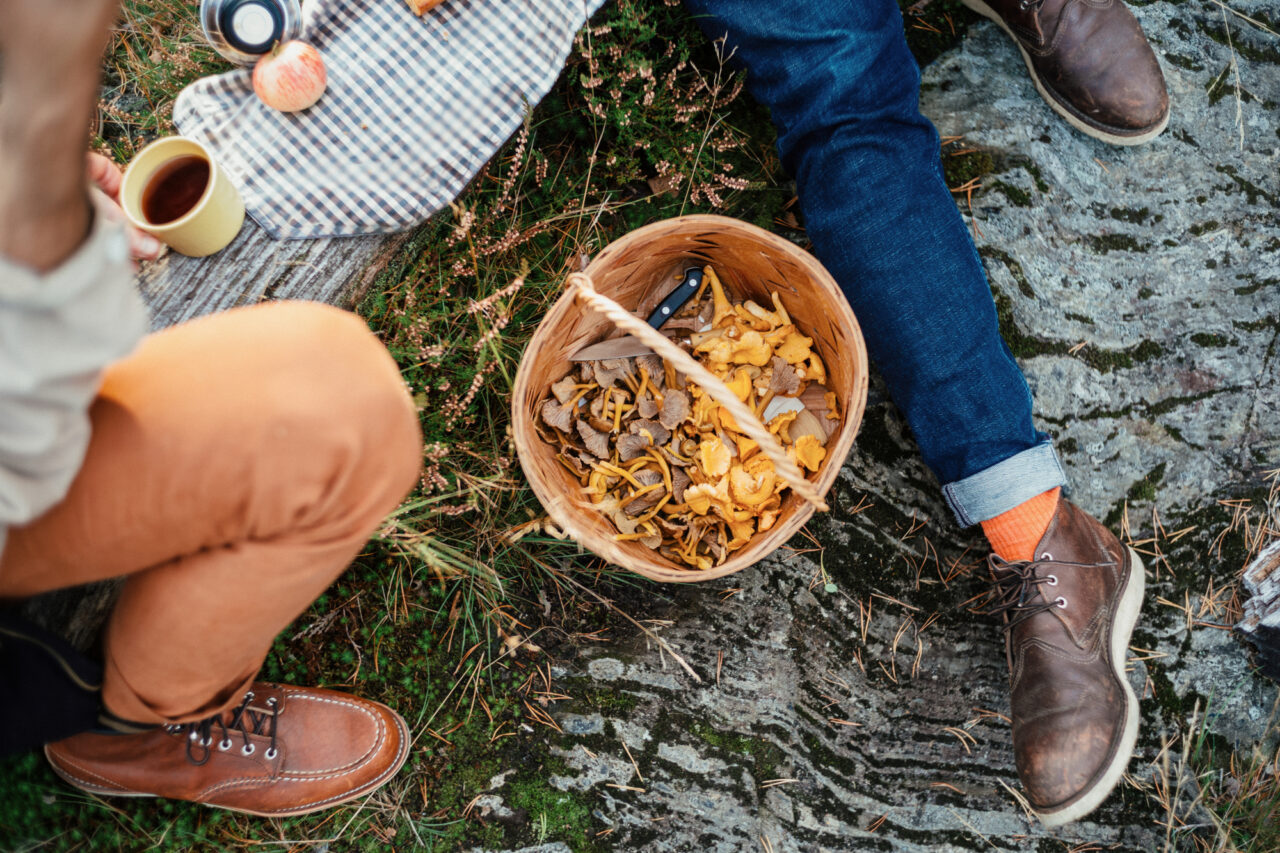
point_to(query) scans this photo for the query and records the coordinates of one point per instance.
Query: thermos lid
(243, 30)
(252, 26)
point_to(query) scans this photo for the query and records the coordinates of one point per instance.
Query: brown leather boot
(1068, 616)
(283, 751)
(1091, 63)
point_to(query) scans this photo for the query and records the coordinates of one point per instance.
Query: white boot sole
(1057, 106)
(1126, 618)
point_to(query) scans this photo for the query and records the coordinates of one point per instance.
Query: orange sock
(1014, 534)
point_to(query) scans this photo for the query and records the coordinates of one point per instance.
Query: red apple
(291, 77)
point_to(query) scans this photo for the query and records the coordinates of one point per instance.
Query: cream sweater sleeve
(57, 333)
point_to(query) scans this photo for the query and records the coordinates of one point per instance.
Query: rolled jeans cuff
(1006, 484)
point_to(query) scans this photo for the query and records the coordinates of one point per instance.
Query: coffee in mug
(175, 191)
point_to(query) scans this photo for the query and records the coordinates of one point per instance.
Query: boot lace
(245, 720)
(1018, 585)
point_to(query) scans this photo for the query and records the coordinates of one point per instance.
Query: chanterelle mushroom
(631, 446)
(564, 389)
(675, 408)
(659, 433)
(557, 415)
(785, 381)
(610, 370)
(595, 441)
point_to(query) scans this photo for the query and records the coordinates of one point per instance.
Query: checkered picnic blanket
(414, 109)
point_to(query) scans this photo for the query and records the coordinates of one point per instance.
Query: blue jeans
(843, 90)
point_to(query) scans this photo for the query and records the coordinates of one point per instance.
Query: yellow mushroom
(742, 532)
(816, 370)
(740, 384)
(777, 336)
(750, 348)
(780, 421)
(809, 452)
(699, 497)
(751, 488)
(727, 423)
(795, 349)
(783, 317)
(830, 399)
(714, 457)
(722, 306)
(769, 513)
(717, 350)
(746, 446)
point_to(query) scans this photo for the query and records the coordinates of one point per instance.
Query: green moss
(1255, 284)
(1204, 227)
(610, 702)
(1257, 325)
(1144, 490)
(962, 168)
(1017, 197)
(1013, 266)
(1251, 190)
(1104, 243)
(1212, 27)
(1218, 87)
(1079, 318)
(934, 28)
(765, 757)
(1034, 171)
(1205, 339)
(1145, 292)
(1130, 214)
(1184, 62)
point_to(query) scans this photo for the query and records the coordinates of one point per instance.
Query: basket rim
(525, 435)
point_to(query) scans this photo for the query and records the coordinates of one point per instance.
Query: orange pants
(237, 465)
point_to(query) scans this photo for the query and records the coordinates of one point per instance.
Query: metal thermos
(243, 30)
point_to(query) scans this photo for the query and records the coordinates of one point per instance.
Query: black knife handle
(677, 298)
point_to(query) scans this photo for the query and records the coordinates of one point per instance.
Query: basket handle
(582, 286)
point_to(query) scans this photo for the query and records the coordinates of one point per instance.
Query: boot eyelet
(1061, 602)
(204, 742)
(248, 697)
(224, 745)
(194, 735)
(271, 752)
(248, 749)
(1046, 556)
(1052, 580)
(272, 702)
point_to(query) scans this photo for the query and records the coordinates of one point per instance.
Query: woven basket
(751, 262)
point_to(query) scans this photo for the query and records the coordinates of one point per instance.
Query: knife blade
(629, 345)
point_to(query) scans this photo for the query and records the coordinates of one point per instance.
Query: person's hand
(106, 177)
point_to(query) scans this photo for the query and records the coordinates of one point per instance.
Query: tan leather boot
(1068, 617)
(1090, 62)
(283, 751)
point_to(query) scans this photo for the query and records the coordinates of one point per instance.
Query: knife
(629, 345)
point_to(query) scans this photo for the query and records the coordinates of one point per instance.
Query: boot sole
(1110, 135)
(369, 787)
(1126, 619)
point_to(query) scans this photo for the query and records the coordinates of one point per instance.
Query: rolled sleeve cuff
(1006, 484)
(104, 252)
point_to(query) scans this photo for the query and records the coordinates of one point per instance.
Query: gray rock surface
(872, 717)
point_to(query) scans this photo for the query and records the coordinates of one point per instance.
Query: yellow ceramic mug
(162, 199)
